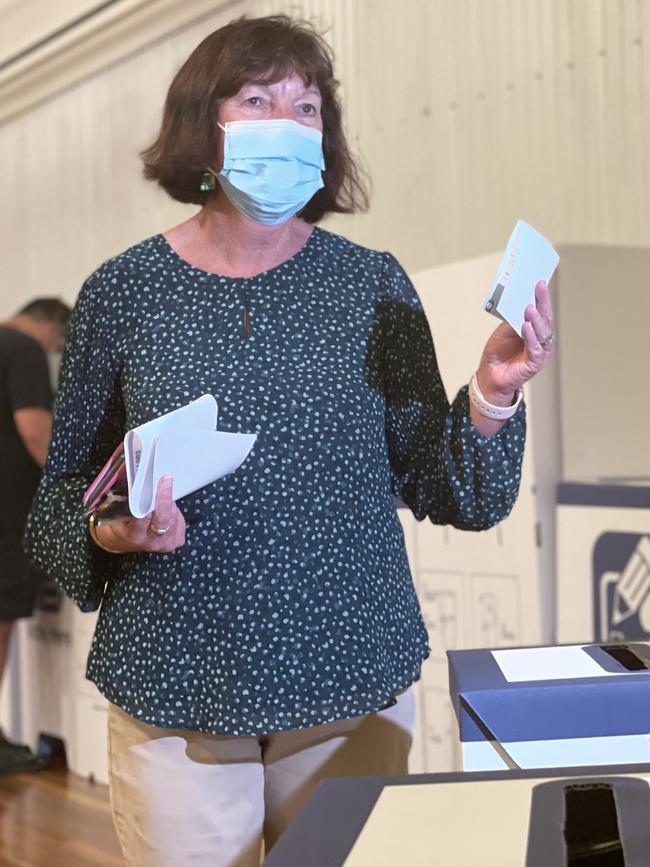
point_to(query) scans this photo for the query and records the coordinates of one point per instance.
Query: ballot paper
(528, 258)
(567, 662)
(184, 444)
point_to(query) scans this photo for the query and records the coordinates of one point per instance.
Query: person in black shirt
(25, 428)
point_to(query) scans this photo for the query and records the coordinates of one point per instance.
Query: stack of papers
(184, 444)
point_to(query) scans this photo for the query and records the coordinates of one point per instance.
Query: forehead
(291, 83)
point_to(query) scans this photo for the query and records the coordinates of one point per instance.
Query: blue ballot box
(549, 707)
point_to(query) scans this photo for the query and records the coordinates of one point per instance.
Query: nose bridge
(281, 107)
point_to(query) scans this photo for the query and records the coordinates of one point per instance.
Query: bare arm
(34, 426)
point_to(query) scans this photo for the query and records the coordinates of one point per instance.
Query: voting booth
(543, 707)
(603, 562)
(603, 502)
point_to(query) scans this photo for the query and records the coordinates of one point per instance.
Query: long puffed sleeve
(88, 425)
(442, 467)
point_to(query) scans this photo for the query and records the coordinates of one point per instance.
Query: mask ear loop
(209, 177)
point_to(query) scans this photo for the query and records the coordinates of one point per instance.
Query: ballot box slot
(589, 822)
(626, 657)
(591, 832)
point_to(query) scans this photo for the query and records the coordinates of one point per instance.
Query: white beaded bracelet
(489, 410)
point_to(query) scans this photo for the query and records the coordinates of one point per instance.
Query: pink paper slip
(107, 496)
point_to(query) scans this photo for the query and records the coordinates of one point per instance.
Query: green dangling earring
(208, 181)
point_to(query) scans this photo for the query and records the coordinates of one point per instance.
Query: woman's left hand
(508, 361)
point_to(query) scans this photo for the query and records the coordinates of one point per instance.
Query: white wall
(25, 25)
(468, 113)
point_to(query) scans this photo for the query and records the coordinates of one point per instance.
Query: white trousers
(185, 799)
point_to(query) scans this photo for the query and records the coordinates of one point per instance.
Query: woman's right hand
(143, 534)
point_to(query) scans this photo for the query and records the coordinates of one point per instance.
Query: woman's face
(288, 99)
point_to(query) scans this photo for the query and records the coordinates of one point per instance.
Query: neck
(221, 239)
(244, 245)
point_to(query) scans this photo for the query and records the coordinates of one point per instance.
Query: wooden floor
(55, 819)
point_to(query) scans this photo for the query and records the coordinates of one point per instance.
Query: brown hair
(47, 310)
(246, 50)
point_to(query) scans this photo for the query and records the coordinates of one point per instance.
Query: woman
(264, 632)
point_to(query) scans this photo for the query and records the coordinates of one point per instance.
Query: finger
(165, 509)
(533, 346)
(171, 540)
(540, 326)
(543, 301)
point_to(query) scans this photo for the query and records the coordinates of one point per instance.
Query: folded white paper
(183, 444)
(528, 258)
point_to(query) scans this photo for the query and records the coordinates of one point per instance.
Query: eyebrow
(311, 90)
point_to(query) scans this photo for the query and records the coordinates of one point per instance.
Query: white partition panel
(55, 698)
(491, 588)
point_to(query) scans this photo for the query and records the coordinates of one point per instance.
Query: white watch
(489, 410)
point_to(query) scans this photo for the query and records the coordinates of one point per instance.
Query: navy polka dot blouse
(291, 603)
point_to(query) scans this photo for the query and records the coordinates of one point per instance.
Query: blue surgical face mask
(271, 168)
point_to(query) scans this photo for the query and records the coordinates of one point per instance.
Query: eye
(254, 100)
(307, 108)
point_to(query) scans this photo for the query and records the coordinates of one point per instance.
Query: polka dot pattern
(291, 603)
